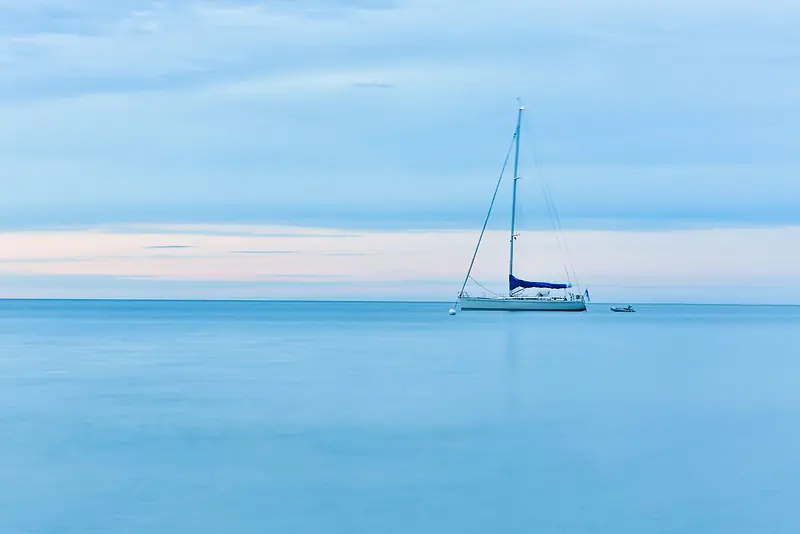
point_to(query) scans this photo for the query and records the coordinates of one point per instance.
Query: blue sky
(375, 115)
(396, 113)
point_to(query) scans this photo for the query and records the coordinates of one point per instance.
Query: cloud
(395, 114)
(372, 85)
(690, 265)
(345, 254)
(263, 252)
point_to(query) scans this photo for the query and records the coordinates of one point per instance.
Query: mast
(514, 196)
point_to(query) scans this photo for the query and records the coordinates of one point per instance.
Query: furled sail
(514, 283)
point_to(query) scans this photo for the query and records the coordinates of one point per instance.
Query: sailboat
(565, 298)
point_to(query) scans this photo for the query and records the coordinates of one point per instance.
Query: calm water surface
(310, 418)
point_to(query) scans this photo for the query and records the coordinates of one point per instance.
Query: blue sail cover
(514, 283)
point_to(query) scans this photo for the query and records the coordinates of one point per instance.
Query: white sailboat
(566, 298)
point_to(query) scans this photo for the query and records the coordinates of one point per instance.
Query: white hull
(521, 304)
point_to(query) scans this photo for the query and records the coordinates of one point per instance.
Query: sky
(349, 148)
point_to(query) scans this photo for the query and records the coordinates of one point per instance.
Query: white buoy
(452, 311)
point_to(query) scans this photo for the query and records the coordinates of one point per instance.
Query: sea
(331, 417)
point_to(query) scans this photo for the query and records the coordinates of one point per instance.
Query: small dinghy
(626, 309)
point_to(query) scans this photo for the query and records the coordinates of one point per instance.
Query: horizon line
(357, 301)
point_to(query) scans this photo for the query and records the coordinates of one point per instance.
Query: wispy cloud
(372, 85)
(692, 263)
(345, 254)
(675, 113)
(268, 252)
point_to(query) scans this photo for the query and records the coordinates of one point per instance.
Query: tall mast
(514, 196)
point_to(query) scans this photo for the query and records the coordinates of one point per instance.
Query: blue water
(309, 418)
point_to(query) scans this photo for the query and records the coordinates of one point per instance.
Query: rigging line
(560, 240)
(555, 219)
(552, 213)
(560, 231)
(485, 288)
(552, 216)
(486, 221)
(521, 218)
(563, 237)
